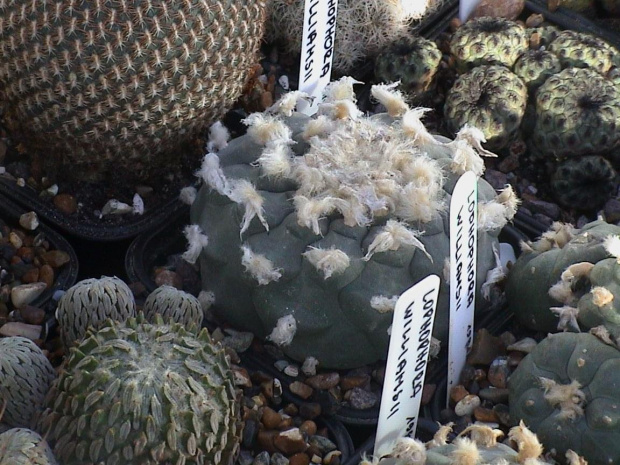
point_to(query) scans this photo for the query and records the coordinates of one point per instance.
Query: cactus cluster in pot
(555, 89)
(313, 226)
(115, 87)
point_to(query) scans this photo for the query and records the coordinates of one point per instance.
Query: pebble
(361, 399)
(56, 258)
(66, 203)
(324, 380)
(458, 392)
(485, 415)
(290, 442)
(485, 348)
(497, 179)
(262, 458)
(299, 459)
(494, 395)
(498, 373)
(309, 366)
(46, 275)
(270, 418)
(292, 371)
(309, 427)
(245, 458)
(301, 389)
(350, 382)
(29, 221)
(32, 315)
(323, 444)
(250, 431)
(15, 240)
(25, 294)
(525, 345)
(310, 410)
(17, 328)
(278, 459)
(239, 341)
(116, 207)
(281, 364)
(549, 209)
(467, 405)
(241, 377)
(168, 278)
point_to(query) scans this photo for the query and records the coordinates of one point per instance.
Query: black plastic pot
(66, 277)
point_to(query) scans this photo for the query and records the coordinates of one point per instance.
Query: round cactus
(91, 302)
(582, 50)
(114, 87)
(577, 114)
(136, 392)
(565, 391)
(542, 35)
(488, 41)
(535, 66)
(413, 61)
(490, 98)
(549, 274)
(174, 306)
(20, 446)
(25, 378)
(316, 225)
(584, 183)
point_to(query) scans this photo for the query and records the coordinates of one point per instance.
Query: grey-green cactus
(91, 302)
(147, 393)
(21, 446)
(535, 66)
(315, 226)
(174, 306)
(25, 378)
(583, 50)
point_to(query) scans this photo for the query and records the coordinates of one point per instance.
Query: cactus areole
(316, 225)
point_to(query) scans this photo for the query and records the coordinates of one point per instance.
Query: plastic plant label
(463, 257)
(466, 8)
(317, 50)
(412, 327)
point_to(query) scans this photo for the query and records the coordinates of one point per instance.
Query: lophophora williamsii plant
(310, 228)
(114, 88)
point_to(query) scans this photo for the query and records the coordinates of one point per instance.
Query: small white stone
(116, 207)
(15, 240)
(283, 80)
(2, 170)
(21, 182)
(53, 189)
(138, 205)
(25, 294)
(467, 405)
(292, 370)
(29, 221)
(309, 366)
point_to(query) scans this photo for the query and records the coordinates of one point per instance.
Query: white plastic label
(317, 50)
(412, 327)
(466, 8)
(463, 258)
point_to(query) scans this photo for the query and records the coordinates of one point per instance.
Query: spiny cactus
(174, 306)
(25, 378)
(147, 393)
(20, 446)
(114, 87)
(582, 50)
(535, 66)
(91, 302)
(315, 226)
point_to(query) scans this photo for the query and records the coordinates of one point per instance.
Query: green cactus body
(112, 88)
(545, 34)
(577, 114)
(566, 391)
(601, 304)
(20, 446)
(140, 393)
(490, 98)
(535, 66)
(174, 306)
(318, 267)
(90, 302)
(536, 271)
(25, 378)
(584, 183)
(488, 41)
(582, 50)
(411, 60)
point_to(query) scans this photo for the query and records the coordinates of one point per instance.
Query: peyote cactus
(315, 226)
(488, 41)
(577, 113)
(25, 378)
(491, 98)
(114, 87)
(535, 66)
(552, 273)
(480, 448)
(363, 29)
(174, 306)
(91, 302)
(411, 60)
(582, 50)
(566, 391)
(584, 183)
(20, 446)
(137, 392)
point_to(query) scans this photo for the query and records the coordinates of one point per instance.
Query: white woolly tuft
(576, 271)
(418, 203)
(218, 137)
(494, 276)
(243, 192)
(612, 245)
(340, 110)
(265, 128)
(466, 452)
(275, 161)
(528, 445)
(567, 318)
(196, 240)
(395, 233)
(328, 261)
(601, 296)
(391, 98)
(259, 266)
(562, 292)
(425, 173)
(440, 438)
(492, 215)
(342, 89)
(482, 435)
(412, 451)
(310, 211)
(137, 204)
(508, 197)
(188, 195)
(413, 127)
(383, 304)
(287, 103)
(568, 397)
(319, 126)
(211, 173)
(284, 331)
(475, 138)
(465, 158)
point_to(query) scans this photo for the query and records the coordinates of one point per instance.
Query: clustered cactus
(21, 446)
(98, 89)
(315, 226)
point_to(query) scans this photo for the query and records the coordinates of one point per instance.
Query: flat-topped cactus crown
(316, 225)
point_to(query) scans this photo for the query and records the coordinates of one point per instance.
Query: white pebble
(29, 221)
(283, 80)
(467, 405)
(291, 370)
(309, 366)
